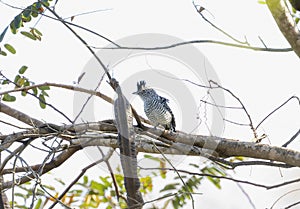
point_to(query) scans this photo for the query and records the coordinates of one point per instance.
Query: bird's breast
(157, 113)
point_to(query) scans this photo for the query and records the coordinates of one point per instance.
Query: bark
(285, 23)
(128, 154)
(19, 115)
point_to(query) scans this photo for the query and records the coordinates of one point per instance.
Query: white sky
(262, 80)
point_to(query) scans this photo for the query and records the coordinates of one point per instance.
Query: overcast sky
(262, 80)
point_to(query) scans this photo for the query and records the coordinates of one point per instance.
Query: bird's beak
(134, 92)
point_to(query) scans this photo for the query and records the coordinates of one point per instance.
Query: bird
(156, 107)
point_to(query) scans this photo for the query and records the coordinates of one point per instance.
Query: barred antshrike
(156, 107)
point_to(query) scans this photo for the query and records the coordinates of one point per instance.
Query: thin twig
(106, 98)
(235, 123)
(111, 173)
(40, 100)
(221, 106)
(292, 139)
(87, 13)
(179, 176)
(282, 196)
(242, 105)
(199, 42)
(54, 198)
(225, 177)
(88, 99)
(69, 23)
(15, 153)
(10, 124)
(216, 27)
(276, 109)
(292, 205)
(19, 115)
(83, 171)
(262, 41)
(80, 38)
(163, 47)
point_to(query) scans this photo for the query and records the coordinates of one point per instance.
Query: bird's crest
(141, 86)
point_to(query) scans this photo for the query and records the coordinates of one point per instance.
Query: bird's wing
(165, 101)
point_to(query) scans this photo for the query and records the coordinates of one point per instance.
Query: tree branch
(285, 23)
(19, 115)
(56, 162)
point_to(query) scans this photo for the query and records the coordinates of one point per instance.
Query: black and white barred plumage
(156, 107)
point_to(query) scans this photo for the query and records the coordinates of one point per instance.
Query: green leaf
(262, 2)
(176, 203)
(3, 53)
(18, 21)
(21, 81)
(120, 180)
(38, 204)
(44, 88)
(169, 187)
(215, 181)
(12, 27)
(23, 93)
(10, 48)
(46, 3)
(8, 98)
(45, 93)
(49, 187)
(76, 192)
(35, 91)
(20, 206)
(37, 31)
(26, 83)
(42, 101)
(21, 195)
(3, 34)
(37, 5)
(99, 187)
(28, 35)
(23, 69)
(85, 180)
(60, 181)
(26, 19)
(40, 192)
(5, 82)
(152, 158)
(194, 165)
(17, 78)
(27, 12)
(113, 193)
(34, 11)
(105, 181)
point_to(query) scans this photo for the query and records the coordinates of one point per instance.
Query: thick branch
(19, 115)
(128, 154)
(78, 89)
(285, 23)
(230, 148)
(224, 147)
(56, 162)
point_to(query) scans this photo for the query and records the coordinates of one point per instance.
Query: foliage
(32, 11)
(92, 193)
(21, 81)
